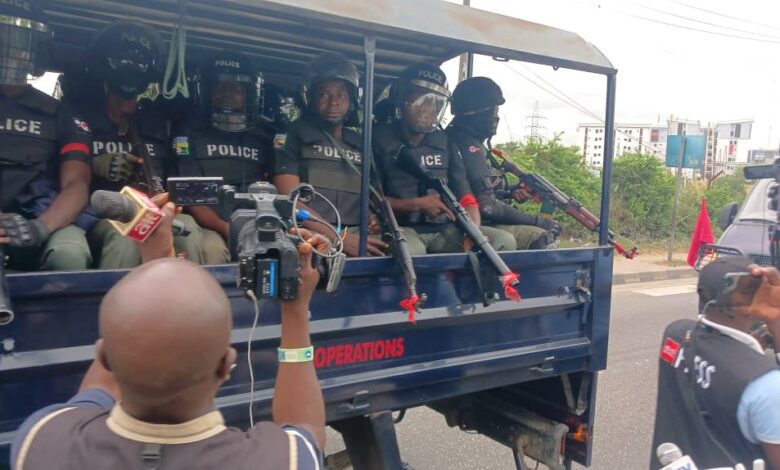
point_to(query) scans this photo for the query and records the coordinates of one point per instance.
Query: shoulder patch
(81, 124)
(474, 149)
(181, 145)
(669, 350)
(279, 141)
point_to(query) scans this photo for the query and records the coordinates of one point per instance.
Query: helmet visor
(23, 49)
(233, 103)
(422, 112)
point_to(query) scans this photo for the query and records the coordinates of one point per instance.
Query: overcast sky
(662, 69)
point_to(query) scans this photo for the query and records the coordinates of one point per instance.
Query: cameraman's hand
(308, 275)
(115, 166)
(760, 294)
(160, 243)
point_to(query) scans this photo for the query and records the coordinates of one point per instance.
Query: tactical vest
(28, 141)
(241, 158)
(152, 132)
(482, 176)
(88, 438)
(433, 154)
(326, 170)
(700, 384)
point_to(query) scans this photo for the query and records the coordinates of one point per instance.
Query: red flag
(702, 233)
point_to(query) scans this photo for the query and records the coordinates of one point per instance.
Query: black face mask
(481, 125)
(127, 85)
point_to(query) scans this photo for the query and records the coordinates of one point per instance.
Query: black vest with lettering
(28, 141)
(433, 153)
(152, 131)
(481, 173)
(241, 158)
(700, 384)
(325, 169)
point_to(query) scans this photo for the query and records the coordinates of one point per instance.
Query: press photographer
(718, 389)
(164, 351)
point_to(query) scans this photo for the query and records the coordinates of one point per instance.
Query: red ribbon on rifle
(410, 305)
(509, 280)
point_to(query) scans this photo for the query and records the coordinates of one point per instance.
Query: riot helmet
(25, 41)
(278, 108)
(231, 91)
(324, 68)
(421, 97)
(127, 57)
(475, 103)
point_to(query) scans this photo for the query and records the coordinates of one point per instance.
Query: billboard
(694, 151)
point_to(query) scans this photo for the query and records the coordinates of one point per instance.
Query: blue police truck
(522, 373)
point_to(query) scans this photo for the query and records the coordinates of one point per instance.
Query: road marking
(669, 290)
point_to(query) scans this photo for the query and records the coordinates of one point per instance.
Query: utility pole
(535, 130)
(466, 66)
(677, 190)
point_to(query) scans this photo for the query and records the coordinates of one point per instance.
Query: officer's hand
(549, 224)
(115, 166)
(15, 230)
(159, 244)
(433, 206)
(765, 303)
(373, 225)
(352, 246)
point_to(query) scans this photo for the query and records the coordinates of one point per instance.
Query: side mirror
(727, 215)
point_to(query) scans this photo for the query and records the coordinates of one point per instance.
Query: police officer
(123, 60)
(420, 98)
(718, 387)
(320, 150)
(225, 141)
(44, 162)
(475, 103)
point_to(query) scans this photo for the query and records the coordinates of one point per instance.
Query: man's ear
(226, 364)
(100, 354)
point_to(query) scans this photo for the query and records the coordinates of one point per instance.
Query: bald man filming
(147, 401)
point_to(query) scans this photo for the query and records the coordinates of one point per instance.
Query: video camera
(260, 237)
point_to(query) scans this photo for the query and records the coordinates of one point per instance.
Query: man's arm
(297, 398)
(459, 183)
(72, 198)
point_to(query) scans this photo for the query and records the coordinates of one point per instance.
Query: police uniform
(307, 152)
(482, 177)
(703, 372)
(241, 158)
(112, 250)
(439, 156)
(37, 134)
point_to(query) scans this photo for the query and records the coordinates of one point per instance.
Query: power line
(574, 104)
(717, 25)
(684, 27)
(713, 12)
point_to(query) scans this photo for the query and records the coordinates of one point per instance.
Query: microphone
(672, 458)
(131, 213)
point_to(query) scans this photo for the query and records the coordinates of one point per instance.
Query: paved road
(625, 402)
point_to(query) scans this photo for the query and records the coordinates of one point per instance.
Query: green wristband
(296, 355)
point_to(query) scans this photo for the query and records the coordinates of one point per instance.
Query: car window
(756, 205)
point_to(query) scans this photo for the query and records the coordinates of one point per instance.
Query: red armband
(74, 147)
(468, 200)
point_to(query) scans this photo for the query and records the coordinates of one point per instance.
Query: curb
(651, 276)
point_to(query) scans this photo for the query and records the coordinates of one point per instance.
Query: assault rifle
(6, 313)
(393, 236)
(144, 179)
(509, 279)
(535, 187)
